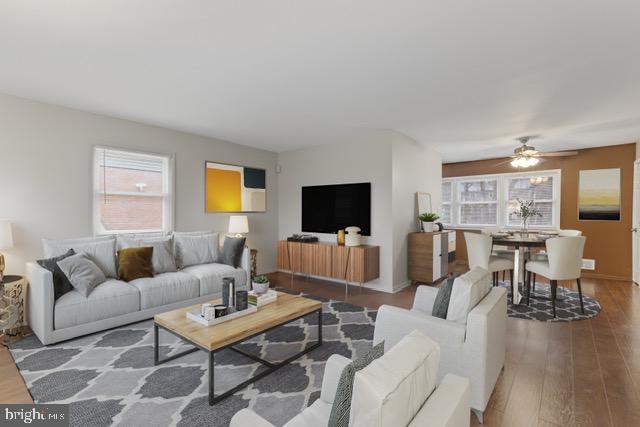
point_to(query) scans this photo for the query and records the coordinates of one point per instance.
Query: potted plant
(428, 218)
(525, 211)
(260, 284)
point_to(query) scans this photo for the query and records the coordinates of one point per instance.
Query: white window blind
(478, 202)
(132, 191)
(538, 188)
(445, 216)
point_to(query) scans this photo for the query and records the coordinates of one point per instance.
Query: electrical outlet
(588, 264)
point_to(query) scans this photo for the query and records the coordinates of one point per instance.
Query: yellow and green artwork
(230, 188)
(599, 195)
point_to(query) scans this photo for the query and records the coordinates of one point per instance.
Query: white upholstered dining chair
(479, 252)
(542, 255)
(564, 262)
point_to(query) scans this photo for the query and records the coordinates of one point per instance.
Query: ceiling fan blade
(558, 154)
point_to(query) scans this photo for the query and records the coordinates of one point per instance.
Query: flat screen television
(328, 208)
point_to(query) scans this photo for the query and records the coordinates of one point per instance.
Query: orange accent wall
(608, 242)
(224, 192)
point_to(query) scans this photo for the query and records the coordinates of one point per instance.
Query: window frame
(458, 207)
(502, 198)
(168, 193)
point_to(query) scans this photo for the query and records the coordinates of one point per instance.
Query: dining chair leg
(503, 273)
(528, 289)
(534, 282)
(580, 293)
(495, 278)
(511, 277)
(554, 289)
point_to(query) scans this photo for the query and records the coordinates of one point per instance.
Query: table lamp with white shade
(238, 225)
(6, 242)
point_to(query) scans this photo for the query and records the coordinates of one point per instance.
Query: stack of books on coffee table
(258, 300)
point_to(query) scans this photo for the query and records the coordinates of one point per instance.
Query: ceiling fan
(526, 155)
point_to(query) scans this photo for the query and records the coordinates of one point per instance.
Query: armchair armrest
(332, 372)
(246, 417)
(393, 323)
(39, 301)
(425, 297)
(448, 405)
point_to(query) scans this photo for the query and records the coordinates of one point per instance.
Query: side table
(11, 305)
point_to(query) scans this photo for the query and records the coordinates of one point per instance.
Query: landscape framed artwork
(232, 188)
(599, 195)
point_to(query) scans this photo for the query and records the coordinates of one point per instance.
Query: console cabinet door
(437, 255)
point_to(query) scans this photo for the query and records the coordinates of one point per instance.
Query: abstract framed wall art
(232, 188)
(599, 195)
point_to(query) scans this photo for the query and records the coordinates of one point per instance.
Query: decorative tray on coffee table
(196, 315)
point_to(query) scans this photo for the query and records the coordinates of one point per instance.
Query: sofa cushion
(193, 249)
(393, 388)
(210, 276)
(163, 259)
(101, 250)
(166, 288)
(109, 299)
(468, 290)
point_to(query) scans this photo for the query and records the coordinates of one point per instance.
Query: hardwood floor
(583, 373)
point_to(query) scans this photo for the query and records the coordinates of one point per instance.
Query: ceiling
(464, 77)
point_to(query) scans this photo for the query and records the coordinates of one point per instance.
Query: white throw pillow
(193, 249)
(162, 258)
(101, 250)
(468, 290)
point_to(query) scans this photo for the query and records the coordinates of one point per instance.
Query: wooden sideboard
(358, 264)
(429, 255)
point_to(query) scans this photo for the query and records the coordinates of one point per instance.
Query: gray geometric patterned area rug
(108, 378)
(540, 309)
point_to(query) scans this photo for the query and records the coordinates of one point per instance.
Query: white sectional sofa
(115, 303)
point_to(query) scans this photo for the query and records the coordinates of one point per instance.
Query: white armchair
(398, 389)
(475, 349)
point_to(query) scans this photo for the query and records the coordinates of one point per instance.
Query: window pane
(478, 191)
(131, 193)
(546, 220)
(531, 188)
(445, 217)
(479, 214)
(446, 191)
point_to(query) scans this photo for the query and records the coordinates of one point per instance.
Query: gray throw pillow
(232, 251)
(341, 408)
(83, 273)
(61, 284)
(441, 303)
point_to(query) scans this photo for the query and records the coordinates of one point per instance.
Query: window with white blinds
(491, 200)
(133, 191)
(538, 188)
(478, 202)
(445, 213)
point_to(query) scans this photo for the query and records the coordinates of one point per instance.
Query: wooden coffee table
(212, 339)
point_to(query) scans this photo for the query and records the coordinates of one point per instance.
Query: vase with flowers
(525, 211)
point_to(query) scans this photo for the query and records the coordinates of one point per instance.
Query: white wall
(415, 168)
(46, 166)
(395, 165)
(359, 161)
